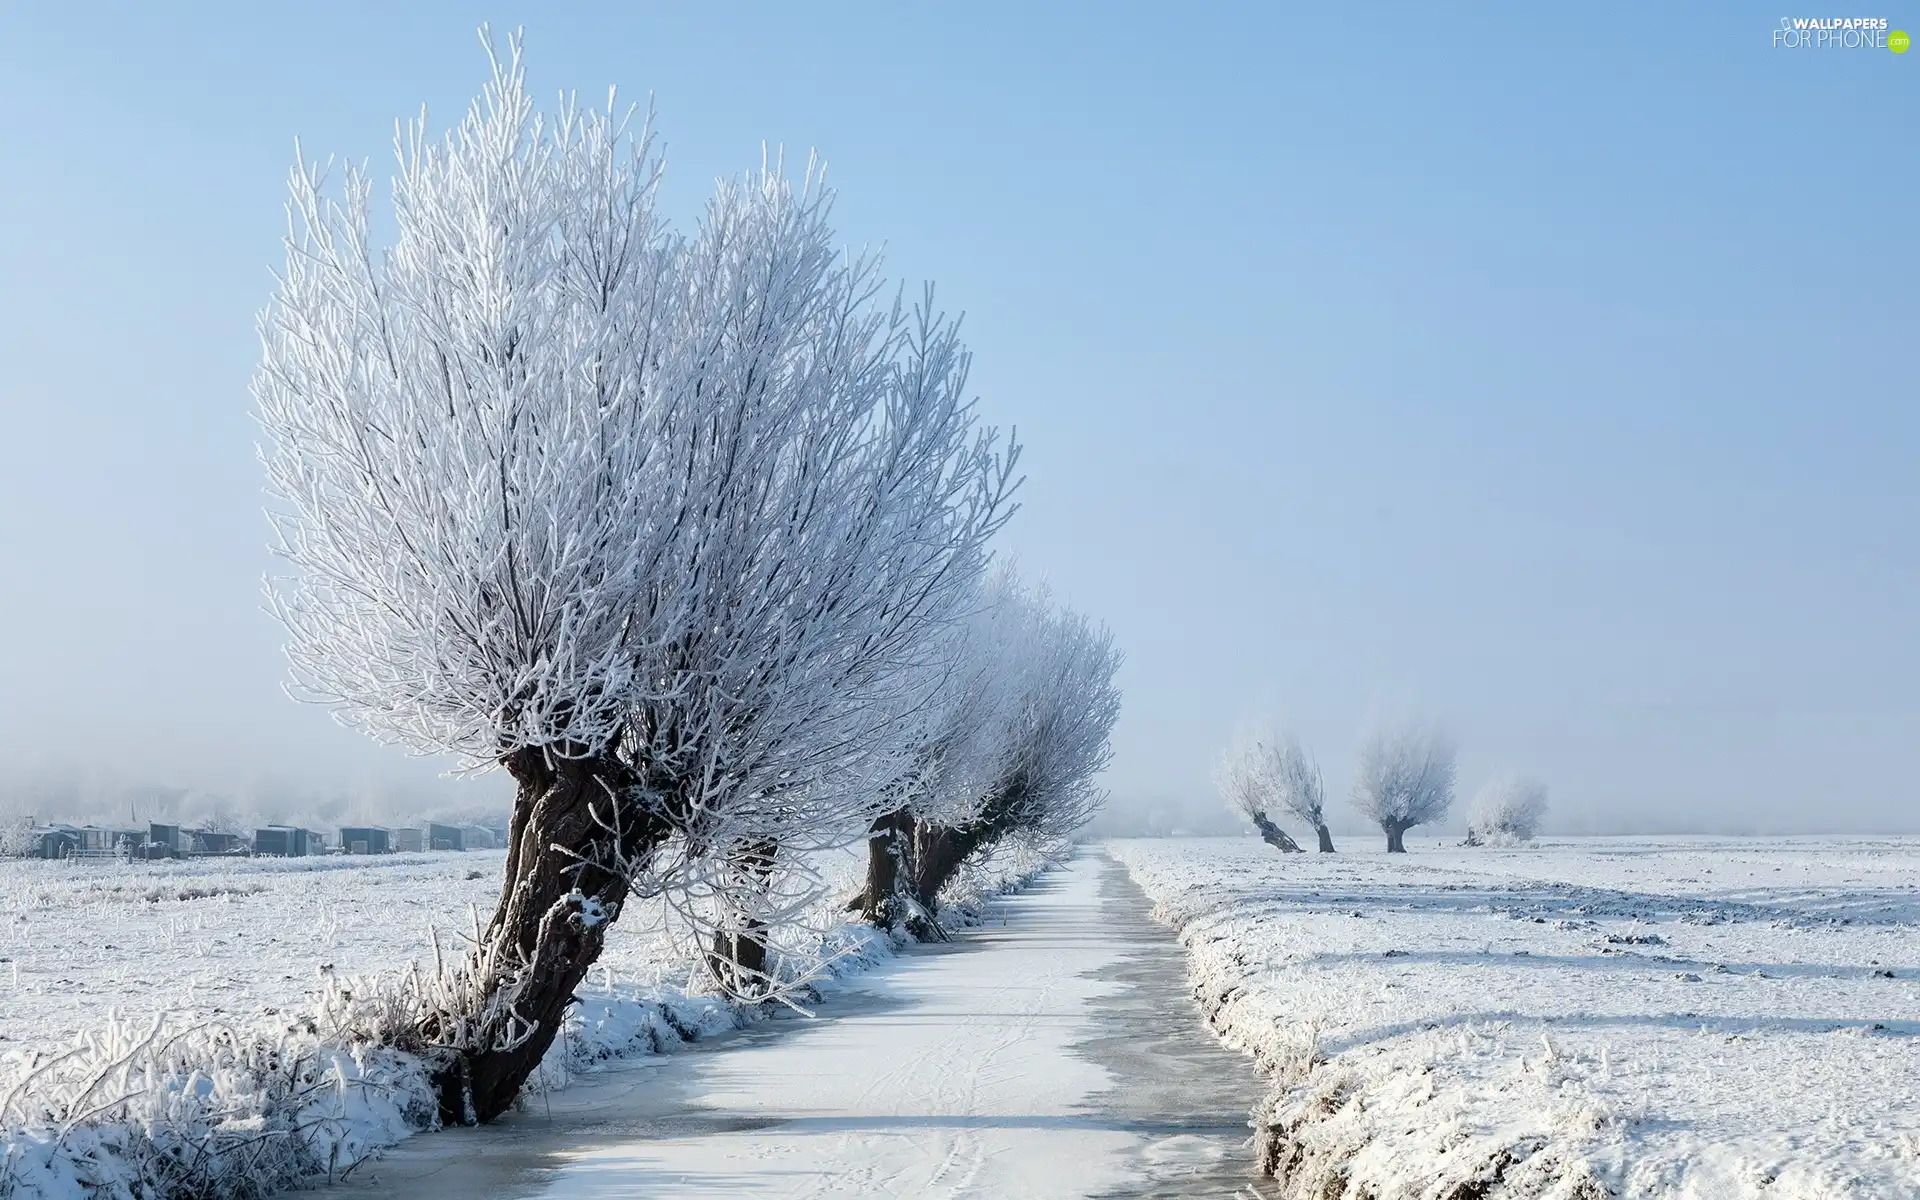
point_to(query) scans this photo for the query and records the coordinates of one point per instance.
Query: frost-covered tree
(1405, 779)
(1507, 810)
(1049, 742)
(1266, 772)
(952, 765)
(16, 836)
(1025, 712)
(667, 526)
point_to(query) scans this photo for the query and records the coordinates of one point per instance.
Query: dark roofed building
(58, 841)
(364, 839)
(288, 841)
(163, 841)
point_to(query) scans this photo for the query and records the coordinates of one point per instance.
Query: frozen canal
(1050, 1053)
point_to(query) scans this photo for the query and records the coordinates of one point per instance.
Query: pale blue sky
(1546, 371)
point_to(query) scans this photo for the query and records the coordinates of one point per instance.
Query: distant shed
(405, 841)
(478, 837)
(444, 837)
(59, 841)
(364, 839)
(287, 841)
(162, 841)
(94, 841)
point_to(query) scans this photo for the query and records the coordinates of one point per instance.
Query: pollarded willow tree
(1025, 713)
(669, 527)
(954, 761)
(1405, 779)
(1266, 772)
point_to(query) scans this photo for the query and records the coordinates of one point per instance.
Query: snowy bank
(1600, 1017)
(265, 996)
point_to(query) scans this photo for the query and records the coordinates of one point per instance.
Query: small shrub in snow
(1507, 811)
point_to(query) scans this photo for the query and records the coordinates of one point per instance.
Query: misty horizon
(1518, 418)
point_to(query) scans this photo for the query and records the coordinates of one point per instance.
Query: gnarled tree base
(1275, 836)
(738, 962)
(884, 901)
(573, 834)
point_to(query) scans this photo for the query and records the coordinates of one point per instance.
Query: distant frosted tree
(668, 527)
(16, 836)
(1508, 809)
(1053, 742)
(982, 666)
(1266, 773)
(1406, 778)
(1025, 714)
(1049, 741)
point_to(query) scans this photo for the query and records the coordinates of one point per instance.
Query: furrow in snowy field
(1591, 1017)
(212, 1027)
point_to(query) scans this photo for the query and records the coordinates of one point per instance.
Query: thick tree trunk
(565, 883)
(1326, 839)
(1274, 836)
(738, 958)
(883, 902)
(1396, 838)
(938, 852)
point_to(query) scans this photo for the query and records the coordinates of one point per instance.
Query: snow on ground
(152, 1007)
(215, 938)
(1631, 1017)
(1048, 1052)
(956, 1079)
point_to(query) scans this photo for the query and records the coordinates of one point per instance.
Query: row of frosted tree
(1405, 778)
(688, 531)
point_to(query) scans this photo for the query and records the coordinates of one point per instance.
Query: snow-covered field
(1684, 1017)
(149, 1006)
(215, 938)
